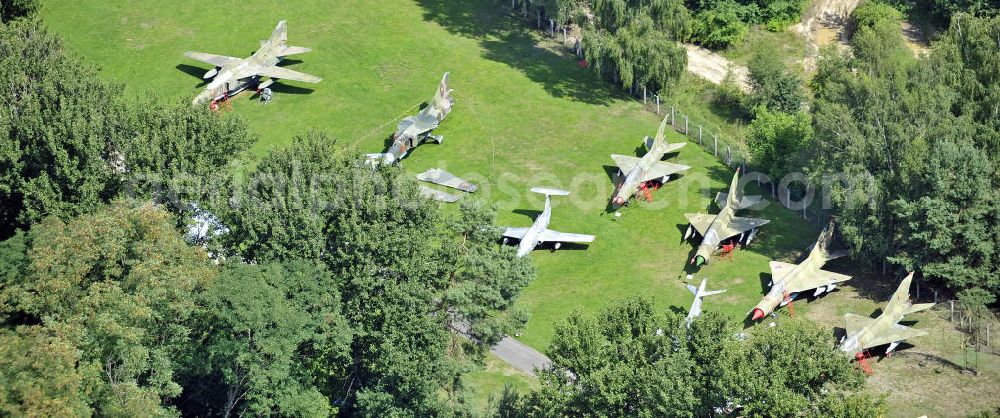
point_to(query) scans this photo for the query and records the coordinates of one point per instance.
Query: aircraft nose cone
(699, 260)
(757, 314)
(618, 201)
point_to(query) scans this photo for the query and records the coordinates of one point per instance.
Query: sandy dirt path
(714, 67)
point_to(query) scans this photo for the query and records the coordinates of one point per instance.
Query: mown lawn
(524, 116)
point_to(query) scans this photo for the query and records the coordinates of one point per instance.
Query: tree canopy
(914, 148)
(634, 360)
(73, 142)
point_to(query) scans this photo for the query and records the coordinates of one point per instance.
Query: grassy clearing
(487, 383)
(525, 115)
(786, 43)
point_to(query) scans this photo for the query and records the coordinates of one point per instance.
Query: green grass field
(524, 116)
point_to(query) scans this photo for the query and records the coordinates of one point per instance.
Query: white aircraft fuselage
(541, 223)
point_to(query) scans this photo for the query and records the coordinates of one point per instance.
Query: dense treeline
(918, 142)
(636, 44)
(907, 146)
(70, 142)
(335, 290)
(634, 360)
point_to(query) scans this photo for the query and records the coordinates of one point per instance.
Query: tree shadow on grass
(868, 283)
(508, 39)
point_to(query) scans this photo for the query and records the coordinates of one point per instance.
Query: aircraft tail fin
(547, 191)
(442, 98)
(661, 132)
(734, 196)
(824, 244)
(280, 34)
(902, 294)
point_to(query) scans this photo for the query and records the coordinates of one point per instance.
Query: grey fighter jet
(636, 171)
(788, 280)
(414, 130)
(232, 75)
(864, 332)
(699, 292)
(538, 232)
(716, 228)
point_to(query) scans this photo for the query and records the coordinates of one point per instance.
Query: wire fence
(979, 327)
(728, 149)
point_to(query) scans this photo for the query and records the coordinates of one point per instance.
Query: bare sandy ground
(714, 67)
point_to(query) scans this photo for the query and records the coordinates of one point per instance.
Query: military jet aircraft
(864, 332)
(699, 292)
(538, 233)
(232, 75)
(414, 130)
(788, 280)
(648, 168)
(716, 228)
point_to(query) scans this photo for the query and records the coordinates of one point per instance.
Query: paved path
(520, 355)
(513, 352)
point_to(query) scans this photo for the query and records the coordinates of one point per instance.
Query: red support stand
(727, 251)
(862, 359)
(645, 191)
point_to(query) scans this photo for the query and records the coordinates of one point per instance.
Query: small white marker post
(657, 104)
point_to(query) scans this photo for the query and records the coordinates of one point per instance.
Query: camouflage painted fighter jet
(538, 232)
(414, 130)
(637, 171)
(232, 75)
(699, 292)
(714, 229)
(788, 280)
(864, 332)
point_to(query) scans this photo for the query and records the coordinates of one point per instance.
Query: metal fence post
(657, 104)
(643, 94)
(685, 124)
(672, 112)
(699, 134)
(729, 155)
(715, 147)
